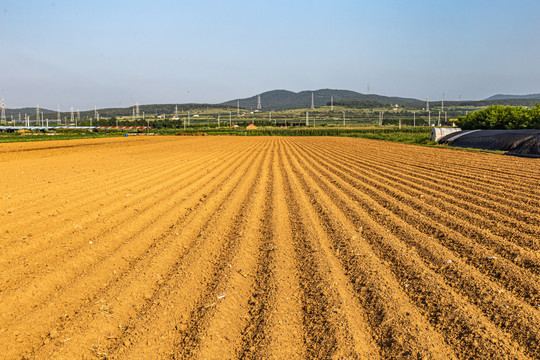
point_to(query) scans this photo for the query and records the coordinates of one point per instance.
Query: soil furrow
(236, 246)
(471, 195)
(120, 261)
(267, 247)
(486, 296)
(208, 238)
(97, 225)
(520, 281)
(427, 290)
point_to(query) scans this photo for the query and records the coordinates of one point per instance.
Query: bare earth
(266, 247)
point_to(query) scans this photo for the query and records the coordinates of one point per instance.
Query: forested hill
(152, 109)
(284, 100)
(513, 97)
(27, 110)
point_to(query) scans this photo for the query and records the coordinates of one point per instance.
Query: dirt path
(233, 247)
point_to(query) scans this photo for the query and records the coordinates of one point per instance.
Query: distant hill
(27, 110)
(513, 97)
(285, 100)
(151, 109)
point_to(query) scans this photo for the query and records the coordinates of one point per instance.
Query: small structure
(440, 132)
(251, 127)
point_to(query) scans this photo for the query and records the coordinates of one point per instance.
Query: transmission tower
(4, 112)
(137, 111)
(331, 103)
(133, 114)
(238, 107)
(259, 106)
(58, 118)
(312, 102)
(78, 115)
(72, 116)
(176, 111)
(427, 104)
(37, 115)
(442, 104)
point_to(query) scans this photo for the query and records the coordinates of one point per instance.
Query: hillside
(285, 100)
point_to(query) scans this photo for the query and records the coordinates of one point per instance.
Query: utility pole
(414, 118)
(259, 105)
(270, 116)
(188, 119)
(238, 107)
(4, 112)
(230, 119)
(218, 123)
(72, 117)
(312, 102)
(331, 103)
(59, 118)
(307, 118)
(37, 115)
(343, 118)
(439, 118)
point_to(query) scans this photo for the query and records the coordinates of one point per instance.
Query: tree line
(502, 117)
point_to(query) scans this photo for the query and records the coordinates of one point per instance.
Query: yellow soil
(267, 247)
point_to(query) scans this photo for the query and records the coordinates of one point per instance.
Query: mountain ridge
(286, 100)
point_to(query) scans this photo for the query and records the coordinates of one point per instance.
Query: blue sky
(113, 53)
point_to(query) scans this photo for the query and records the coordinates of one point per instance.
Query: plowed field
(266, 247)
